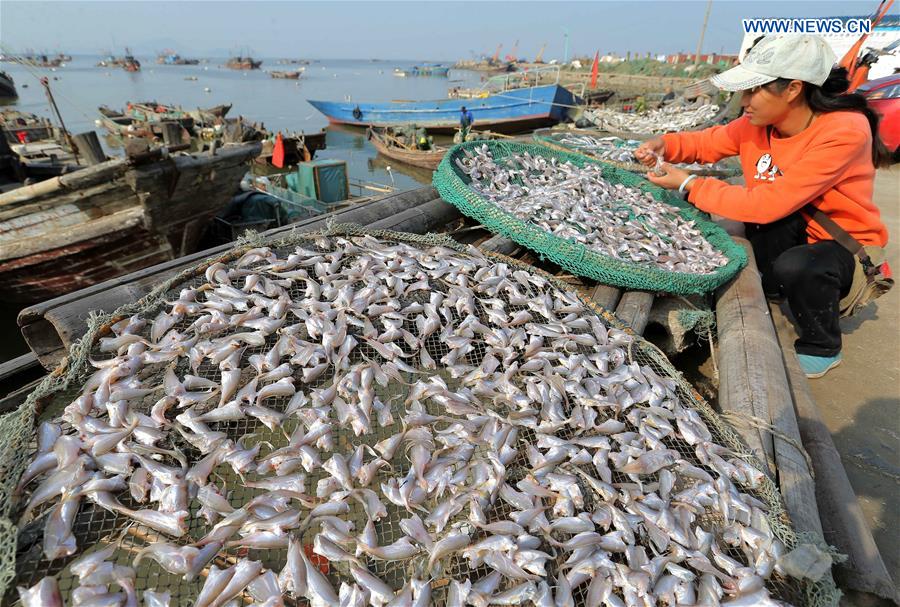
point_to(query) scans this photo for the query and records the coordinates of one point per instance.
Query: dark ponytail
(832, 96)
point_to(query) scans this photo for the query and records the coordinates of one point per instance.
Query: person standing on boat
(809, 153)
(465, 121)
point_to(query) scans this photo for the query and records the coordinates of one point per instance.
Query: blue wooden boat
(424, 70)
(509, 111)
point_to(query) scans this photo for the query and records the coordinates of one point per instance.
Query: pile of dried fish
(580, 204)
(616, 149)
(666, 119)
(462, 423)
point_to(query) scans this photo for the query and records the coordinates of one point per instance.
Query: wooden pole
(634, 309)
(500, 244)
(606, 297)
(46, 84)
(89, 145)
(751, 374)
(702, 34)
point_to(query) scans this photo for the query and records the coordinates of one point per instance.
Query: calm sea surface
(80, 87)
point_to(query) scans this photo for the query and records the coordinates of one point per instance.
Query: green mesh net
(26, 566)
(454, 187)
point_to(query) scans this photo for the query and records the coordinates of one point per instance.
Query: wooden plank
(89, 148)
(500, 244)
(13, 367)
(751, 374)
(419, 219)
(843, 522)
(634, 309)
(79, 232)
(50, 327)
(11, 401)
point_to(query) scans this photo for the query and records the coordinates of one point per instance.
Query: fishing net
(22, 562)
(455, 187)
(618, 152)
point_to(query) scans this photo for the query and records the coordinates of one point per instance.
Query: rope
(753, 421)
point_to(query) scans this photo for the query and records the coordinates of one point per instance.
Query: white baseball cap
(794, 56)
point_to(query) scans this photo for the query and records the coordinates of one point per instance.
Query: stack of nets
(361, 418)
(592, 219)
(620, 152)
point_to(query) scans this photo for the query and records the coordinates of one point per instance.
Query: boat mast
(702, 34)
(46, 83)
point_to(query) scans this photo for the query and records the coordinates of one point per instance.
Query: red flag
(278, 152)
(595, 70)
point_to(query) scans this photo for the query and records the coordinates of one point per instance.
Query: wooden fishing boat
(112, 218)
(216, 111)
(7, 87)
(172, 58)
(298, 147)
(130, 63)
(22, 127)
(286, 75)
(396, 148)
(242, 63)
(508, 111)
(153, 111)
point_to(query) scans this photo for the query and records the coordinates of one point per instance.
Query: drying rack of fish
(351, 420)
(653, 122)
(580, 204)
(621, 152)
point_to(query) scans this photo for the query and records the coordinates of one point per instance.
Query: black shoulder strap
(842, 237)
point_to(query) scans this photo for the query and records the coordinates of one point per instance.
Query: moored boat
(243, 63)
(173, 58)
(402, 147)
(423, 70)
(286, 75)
(112, 218)
(508, 111)
(130, 63)
(7, 87)
(23, 127)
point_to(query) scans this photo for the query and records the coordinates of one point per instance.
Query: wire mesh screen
(438, 411)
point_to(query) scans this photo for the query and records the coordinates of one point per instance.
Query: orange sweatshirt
(828, 164)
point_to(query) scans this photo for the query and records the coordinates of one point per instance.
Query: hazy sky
(388, 30)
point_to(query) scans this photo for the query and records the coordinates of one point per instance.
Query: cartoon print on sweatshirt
(766, 169)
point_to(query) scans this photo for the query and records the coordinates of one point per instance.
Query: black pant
(813, 278)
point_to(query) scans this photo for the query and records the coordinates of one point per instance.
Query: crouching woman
(808, 152)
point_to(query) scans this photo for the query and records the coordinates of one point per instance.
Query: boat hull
(507, 112)
(7, 87)
(111, 219)
(425, 159)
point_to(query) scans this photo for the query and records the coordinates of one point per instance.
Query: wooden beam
(419, 219)
(634, 309)
(843, 522)
(606, 297)
(751, 374)
(500, 244)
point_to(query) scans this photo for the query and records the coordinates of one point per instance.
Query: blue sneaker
(817, 366)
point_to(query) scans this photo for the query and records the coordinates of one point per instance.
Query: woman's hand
(648, 151)
(671, 179)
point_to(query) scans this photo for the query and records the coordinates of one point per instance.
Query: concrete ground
(860, 400)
